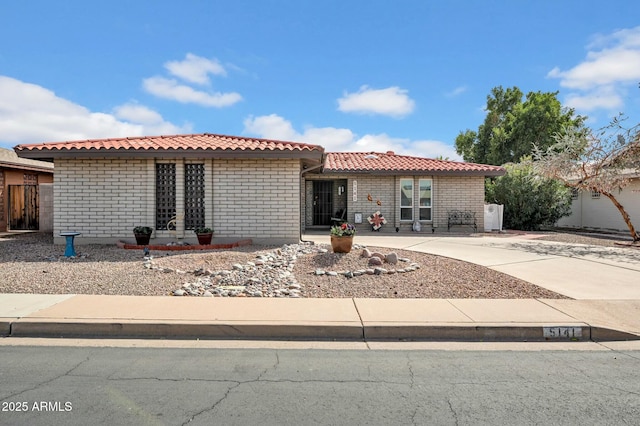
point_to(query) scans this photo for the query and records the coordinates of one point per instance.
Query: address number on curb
(562, 332)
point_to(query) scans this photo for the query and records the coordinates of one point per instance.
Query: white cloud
(30, 114)
(171, 89)
(392, 101)
(604, 97)
(612, 64)
(339, 140)
(195, 69)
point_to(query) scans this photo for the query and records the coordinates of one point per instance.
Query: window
(165, 194)
(193, 196)
(406, 199)
(595, 194)
(425, 199)
(574, 193)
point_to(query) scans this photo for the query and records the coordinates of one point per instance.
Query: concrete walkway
(605, 283)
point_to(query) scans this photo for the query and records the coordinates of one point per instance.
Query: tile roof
(196, 142)
(390, 163)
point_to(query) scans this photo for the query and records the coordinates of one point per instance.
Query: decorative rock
(392, 258)
(375, 260)
(271, 273)
(378, 255)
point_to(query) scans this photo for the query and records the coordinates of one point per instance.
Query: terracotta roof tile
(206, 141)
(390, 163)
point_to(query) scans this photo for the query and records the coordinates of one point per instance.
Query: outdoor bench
(462, 218)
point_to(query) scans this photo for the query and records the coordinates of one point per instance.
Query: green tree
(513, 126)
(530, 201)
(603, 161)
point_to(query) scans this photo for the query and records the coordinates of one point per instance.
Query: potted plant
(342, 237)
(204, 235)
(142, 234)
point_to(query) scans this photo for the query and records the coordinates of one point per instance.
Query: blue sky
(406, 76)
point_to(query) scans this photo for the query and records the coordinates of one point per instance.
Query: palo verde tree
(513, 126)
(602, 161)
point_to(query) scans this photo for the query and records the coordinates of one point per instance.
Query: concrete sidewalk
(26, 315)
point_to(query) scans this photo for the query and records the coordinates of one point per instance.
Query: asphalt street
(177, 386)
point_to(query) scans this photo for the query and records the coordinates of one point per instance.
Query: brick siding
(447, 193)
(105, 199)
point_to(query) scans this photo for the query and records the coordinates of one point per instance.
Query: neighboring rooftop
(390, 163)
(9, 158)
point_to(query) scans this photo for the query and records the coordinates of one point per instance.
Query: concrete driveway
(574, 270)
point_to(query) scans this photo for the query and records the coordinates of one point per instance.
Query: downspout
(303, 189)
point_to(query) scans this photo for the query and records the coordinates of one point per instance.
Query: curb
(333, 331)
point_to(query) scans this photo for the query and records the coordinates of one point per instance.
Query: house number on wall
(355, 190)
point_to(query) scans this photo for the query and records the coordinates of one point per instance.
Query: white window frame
(404, 207)
(422, 208)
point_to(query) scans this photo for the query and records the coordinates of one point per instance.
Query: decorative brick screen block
(194, 196)
(165, 194)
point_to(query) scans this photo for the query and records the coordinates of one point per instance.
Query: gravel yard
(30, 263)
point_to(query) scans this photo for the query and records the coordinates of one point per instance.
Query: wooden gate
(23, 207)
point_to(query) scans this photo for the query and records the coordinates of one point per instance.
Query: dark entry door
(322, 202)
(23, 207)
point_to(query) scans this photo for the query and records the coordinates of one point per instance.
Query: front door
(322, 202)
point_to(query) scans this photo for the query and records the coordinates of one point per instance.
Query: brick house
(26, 193)
(266, 190)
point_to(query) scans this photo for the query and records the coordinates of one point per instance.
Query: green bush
(530, 201)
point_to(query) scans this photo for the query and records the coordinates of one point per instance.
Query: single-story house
(267, 190)
(26, 193)
(591, 210)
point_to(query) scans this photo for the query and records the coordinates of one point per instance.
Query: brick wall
(447, 192)
(45, 219)
(259, 199)
(459, 193)
(104, 199)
